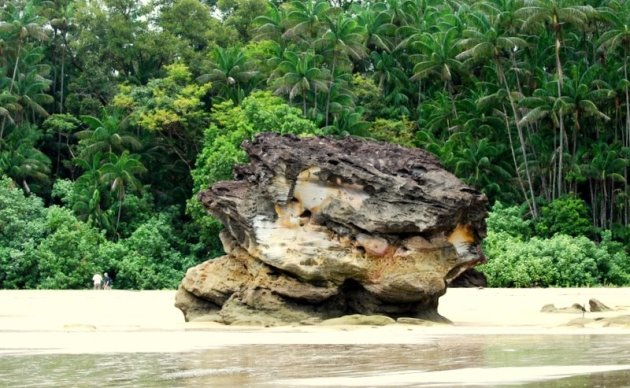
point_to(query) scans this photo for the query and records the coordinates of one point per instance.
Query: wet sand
(135, 321)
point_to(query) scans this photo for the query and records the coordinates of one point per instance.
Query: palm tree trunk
(332, 82)
(63, 63)
(518, 173)
(612, 204)
(120, 202)
(554, 172)
(627, 136)
(449, 88)
(625, 75)
(419, 106)
(602, 211)
(593, 202)
(560, 156)
(532, 206)
(15, 68)
(559, 64)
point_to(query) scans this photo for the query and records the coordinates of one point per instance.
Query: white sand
(133, 321)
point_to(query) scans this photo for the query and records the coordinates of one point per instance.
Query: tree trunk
(120, 203)
(627, 136)
(558, 64)
(561, 155)
(332, 82)
(521, 138)
(518, 174)
(63, 68)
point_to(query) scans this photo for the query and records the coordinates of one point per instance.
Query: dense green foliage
(48, 247)
(517, 260)
(115, 113)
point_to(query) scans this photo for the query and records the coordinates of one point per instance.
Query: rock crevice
(316, 228)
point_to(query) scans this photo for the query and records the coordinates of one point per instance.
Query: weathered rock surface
(597, 306)
(318, 228)
(575, 308)
(470, 278)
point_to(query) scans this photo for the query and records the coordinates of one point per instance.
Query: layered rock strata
(317, 228)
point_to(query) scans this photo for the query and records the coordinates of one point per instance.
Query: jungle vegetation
(115, 113)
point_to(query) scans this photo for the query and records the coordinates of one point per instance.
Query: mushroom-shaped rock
(317, 228)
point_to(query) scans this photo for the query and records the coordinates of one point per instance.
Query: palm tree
(61, 26)
(87, 191)
(617, 38)
(340, 99)
(485, 41)
(375, 21)
(120, 172)
(30, 92)
(604, 170)
(342, 40)
(105, 135)
(481, 164)
(272, 24)
(230, 72)
(584, 90)
(297, 75)
(7, 101)
(305, 18)
(19, 25)
(22, 161)
(554, 14)
(439, 58)
(388, 72)
(545, 105)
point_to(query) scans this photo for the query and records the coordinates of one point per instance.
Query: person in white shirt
(97, 279)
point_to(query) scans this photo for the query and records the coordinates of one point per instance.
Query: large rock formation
(317, 228)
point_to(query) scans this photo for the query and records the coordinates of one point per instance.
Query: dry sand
(134, 321)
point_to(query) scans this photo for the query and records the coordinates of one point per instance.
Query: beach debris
(597, 306)
(318, 228)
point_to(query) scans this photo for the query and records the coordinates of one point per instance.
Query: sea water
(444, 360)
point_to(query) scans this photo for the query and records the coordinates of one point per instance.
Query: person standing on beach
(107, 281)
(97, 279)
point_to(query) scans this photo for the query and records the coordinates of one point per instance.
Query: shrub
(567, 215)
(67, 258)
(510, 220)
(562, 260)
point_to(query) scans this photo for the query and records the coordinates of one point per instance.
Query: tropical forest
(114, 114)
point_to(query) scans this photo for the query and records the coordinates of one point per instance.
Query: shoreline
(103, 321)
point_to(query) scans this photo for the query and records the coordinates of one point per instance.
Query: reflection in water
(558, 361)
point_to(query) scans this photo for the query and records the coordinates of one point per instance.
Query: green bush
(561, 260)
(567, 215)
(22, 226)
(50, 248)
(148, 258)
(510, 220)
(67, 257)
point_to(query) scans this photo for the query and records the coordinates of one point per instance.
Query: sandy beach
(137, 338)
(131, 321)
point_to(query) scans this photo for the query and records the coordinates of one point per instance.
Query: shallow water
(441, 360)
